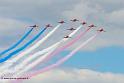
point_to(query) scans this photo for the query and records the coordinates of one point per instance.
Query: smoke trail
(67, 45)
(23, 47)
(36, 45)
(31, 66)
(63, 59)
(33, 47)
(16, 44)
(9, 62)
(14, 72)
(46, 57)
(53, 47)
(26, 61)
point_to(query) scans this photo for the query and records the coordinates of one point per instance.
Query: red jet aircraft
(71, 29)
(48, 25)
(67, 37)
(34, 26)
(101, 30)
(74, 20)
(83, 23)
(91, 25)
(61, 22)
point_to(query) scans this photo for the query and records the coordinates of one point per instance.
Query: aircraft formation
(71, 29)
(47, 53)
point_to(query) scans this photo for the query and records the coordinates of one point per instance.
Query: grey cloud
(76, 76)
(107, 14)
(108, 5)
(39, 11)
(96, 12)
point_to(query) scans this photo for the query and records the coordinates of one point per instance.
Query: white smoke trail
(60, 61)
(12, 73)
(32, 48)
(63, 59)
(36, 45)
(30, 66)
(9, 62)
(27, 60)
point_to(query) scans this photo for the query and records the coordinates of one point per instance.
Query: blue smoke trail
(15, 45)
(23, 47)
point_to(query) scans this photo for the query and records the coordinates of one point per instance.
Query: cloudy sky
(101, 61)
